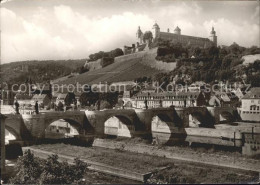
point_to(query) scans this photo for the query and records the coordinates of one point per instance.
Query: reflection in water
(116, 127)
(165, 132)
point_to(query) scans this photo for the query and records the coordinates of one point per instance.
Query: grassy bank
(179, 172)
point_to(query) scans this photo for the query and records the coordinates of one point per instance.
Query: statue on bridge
(16, 104)
(145, 103)
(36, 106)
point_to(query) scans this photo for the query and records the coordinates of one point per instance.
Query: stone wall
(93, 65)
(125, 58)
(250, 116)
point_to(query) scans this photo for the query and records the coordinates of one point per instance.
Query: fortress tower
(139, 35)
(156, 30)
(213, 36)
(177, 30)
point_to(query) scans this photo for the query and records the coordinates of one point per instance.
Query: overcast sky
(72, 29)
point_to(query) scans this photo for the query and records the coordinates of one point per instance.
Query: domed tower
(177, 30)
(139, 35)
(213, 36)
(156, 31)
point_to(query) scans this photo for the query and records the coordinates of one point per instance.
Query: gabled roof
(226, 96)
(177, 29)
(62, 96)
(254, 93)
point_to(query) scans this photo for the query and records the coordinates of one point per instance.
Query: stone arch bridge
(28, 127)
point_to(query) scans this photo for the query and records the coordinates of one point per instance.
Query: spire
(177, 30)
(212, 31)
(156, 25)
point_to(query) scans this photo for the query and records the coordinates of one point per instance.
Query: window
(252, 101)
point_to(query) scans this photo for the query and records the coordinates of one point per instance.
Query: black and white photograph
(130, 91)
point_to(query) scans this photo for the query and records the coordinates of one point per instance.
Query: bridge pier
(35, 124)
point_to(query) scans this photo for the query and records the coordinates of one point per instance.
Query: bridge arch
(119, 125)
(196, 119)
(13, 132)
(226, 116)
(199, 117)
(164, 129)
(63, 126)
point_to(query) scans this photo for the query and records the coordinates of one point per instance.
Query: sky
(73, 29)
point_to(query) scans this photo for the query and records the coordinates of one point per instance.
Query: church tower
(139, 35)
(177, 30)
(156, 30)
(213, 36)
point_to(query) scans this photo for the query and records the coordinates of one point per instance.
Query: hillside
(125, 68)
(38, 71)
(232, 63)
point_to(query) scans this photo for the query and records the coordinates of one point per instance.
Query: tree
(116, 52)
(33, 170)
(105, 105)
(196, 52)
(148, 35)
(83, 70)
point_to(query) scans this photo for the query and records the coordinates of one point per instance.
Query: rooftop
(254, 93)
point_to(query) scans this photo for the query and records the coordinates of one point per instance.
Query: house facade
(168, 99)
(43, 99)
(65, 98)
(250, 108)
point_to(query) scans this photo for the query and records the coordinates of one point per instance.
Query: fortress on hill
(176, 37)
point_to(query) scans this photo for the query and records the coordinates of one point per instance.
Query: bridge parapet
(33, 126)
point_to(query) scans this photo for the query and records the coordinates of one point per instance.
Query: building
(60, 129)
(166, 99)
(176, 36)
(23, 99)
(65, 98)
(43, 99)
(197, 86)
(239, 93)
(6, 95)
(250, 108)
(224, 99)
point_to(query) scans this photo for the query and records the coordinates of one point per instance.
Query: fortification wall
(138, 55)
(148, 58)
